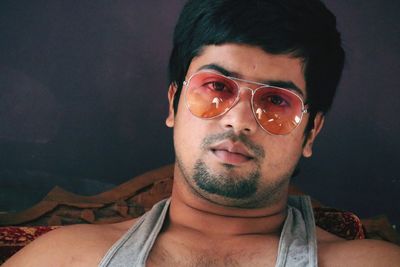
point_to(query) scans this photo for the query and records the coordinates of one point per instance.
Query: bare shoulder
(77, 245)
(334, 251)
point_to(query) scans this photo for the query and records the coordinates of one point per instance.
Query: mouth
(232, 153)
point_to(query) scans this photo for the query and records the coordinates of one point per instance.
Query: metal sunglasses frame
(235, 80)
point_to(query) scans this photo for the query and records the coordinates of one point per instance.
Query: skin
(206, 229)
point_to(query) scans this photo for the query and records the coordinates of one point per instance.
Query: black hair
(304, 29)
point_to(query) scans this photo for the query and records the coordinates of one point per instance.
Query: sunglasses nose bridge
(240, 115)
(243, 89)
(239, 97)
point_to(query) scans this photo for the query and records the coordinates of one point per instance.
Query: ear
(170, 121)
(318, 123)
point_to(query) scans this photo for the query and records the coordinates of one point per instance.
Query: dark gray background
(83, 101)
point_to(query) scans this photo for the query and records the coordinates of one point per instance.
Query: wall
(83, 101)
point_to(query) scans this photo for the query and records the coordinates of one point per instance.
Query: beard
(229, 187)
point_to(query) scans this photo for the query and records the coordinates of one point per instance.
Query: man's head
(233, 159)
(303, 29)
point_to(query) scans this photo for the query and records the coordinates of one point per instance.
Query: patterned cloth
(14, 238)
(341, 223)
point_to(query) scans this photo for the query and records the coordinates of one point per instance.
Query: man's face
(230, 160)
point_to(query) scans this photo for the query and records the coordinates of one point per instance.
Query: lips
(232, 153)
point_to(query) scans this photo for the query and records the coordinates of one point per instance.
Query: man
(250, 82)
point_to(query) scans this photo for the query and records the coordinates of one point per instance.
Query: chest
(201, 253)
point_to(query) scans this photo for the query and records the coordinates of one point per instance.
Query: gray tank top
(297, 244)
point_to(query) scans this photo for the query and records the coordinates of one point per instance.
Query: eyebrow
(276, 83)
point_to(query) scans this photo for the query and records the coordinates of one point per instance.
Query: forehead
(251, 63)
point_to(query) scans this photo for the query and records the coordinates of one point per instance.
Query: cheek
(188, 135)
(282, 155)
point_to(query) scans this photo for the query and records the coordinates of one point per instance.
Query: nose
(240, 117)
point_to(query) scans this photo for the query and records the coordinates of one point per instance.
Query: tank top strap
(298, 243)
(133, 248)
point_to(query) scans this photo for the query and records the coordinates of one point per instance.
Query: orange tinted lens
(209, 95)
(278, 111)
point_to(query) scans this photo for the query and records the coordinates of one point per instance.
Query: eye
(217, 86)
(277, 100)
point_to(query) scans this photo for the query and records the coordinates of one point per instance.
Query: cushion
(14, 238)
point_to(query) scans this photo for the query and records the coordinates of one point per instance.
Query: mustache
(257, 150)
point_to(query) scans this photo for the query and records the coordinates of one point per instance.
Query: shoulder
(77, 245)
(364, 252)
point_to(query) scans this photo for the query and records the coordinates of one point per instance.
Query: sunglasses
(209, 95)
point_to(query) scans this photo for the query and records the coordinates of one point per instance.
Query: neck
(192, 213)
